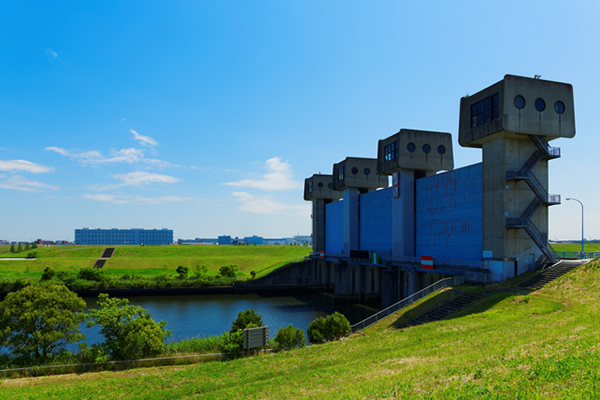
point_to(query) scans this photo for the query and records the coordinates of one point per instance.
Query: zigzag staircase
(543, 152)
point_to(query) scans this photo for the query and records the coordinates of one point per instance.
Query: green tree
(337, 326)
(246, 318)
(27, 248)
(38, 321)
(228, 270)
(333, 327)
(34, 246)
(315, 331)
(91, 274)
(199, 271)
(19, 248)
(290, 337)
(129, 331)
(47, 274)
(182, 271)
(12, 248)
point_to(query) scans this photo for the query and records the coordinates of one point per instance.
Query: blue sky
(206, 116)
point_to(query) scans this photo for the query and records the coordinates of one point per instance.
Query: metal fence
(577, 254)
(454, 281)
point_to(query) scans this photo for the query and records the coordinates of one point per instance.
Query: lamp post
(571, 198)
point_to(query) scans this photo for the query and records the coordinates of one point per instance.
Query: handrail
(442, 283)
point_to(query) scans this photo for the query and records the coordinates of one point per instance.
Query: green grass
(587, 246)
(150, 262)
(515, 344)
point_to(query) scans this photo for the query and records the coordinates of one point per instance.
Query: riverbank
(517, 343)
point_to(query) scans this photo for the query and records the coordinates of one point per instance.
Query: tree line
(38, 322)
(20, 248)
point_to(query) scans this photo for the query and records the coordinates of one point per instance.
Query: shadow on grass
(490, 296)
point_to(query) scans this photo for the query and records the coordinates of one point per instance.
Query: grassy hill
(151, 261)
(513, 344)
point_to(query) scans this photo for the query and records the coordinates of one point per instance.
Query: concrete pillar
(410, 283)
(318, 221)
(403, 216)
(351, 221)
(390, 289)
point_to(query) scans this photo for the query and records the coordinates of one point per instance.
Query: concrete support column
(318, 221)
(410, 283)
(390, 289)
(403, 216)
(351, 221)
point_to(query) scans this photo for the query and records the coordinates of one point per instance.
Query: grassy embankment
(587, 246)
(514, 344)
(149, 262)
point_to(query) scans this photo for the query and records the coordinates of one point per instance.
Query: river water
(207, 315)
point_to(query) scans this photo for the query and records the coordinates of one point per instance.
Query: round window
(367, 171)
(330, 185)
(411, 147)
(519, 102)
(426, 148)
(441, 149)
(559, 107)
(320, 185)
(354, 170)
(540, 104)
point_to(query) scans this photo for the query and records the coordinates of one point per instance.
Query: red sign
(427, 262)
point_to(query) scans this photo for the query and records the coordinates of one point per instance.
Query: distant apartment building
(124, 236)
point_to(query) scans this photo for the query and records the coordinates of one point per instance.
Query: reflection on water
(208, 315)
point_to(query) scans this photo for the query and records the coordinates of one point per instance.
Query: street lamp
(571, 198)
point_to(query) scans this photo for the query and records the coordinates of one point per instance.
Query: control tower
(319, 189)
(512, 121)
(355, 176)
(410, 155)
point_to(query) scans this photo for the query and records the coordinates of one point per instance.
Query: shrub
(129, 331)
(47, 274)
(233, 343)
(228, 270)
(200, 271)
(315, 331)
(182, 271)
(337, 326)
(245, 319)
(290, 337)
(32, 254)
(90, 274)
(333, 327)
(253, 274)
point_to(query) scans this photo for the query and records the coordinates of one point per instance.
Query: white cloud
(58, 150)
(129, 156)
(278, 178)
(144, 178)
(17, 182)
(136, 200)
(136, 179)
(52, 53)
(23, 166)
(146, 140)
(267, 206)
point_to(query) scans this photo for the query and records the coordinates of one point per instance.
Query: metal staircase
(543, 152)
